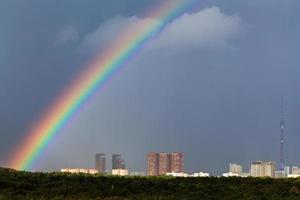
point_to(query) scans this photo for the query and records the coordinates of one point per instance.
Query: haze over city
(208, 85)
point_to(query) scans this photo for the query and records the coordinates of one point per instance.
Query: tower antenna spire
(282, 137)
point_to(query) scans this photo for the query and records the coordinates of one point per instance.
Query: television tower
(281, 138)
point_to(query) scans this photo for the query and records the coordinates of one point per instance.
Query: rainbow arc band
(92, 79)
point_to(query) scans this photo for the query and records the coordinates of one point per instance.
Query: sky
(210, 85)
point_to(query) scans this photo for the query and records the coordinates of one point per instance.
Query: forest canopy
(56, 185)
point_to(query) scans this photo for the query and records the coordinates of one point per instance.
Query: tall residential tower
(100, 162)
(118, 162)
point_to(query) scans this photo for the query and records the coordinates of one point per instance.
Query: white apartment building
(269, 169)
(257, 169)
(235, 168)
(177, 174)
(293, 175)
(280, 174)
(295, 170)
(230, 174)
(261, 169)
(200, 174)
(79, 170)
(137, 173)
(120, 172)
(181, 174)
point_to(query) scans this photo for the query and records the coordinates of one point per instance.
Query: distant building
(269, 169)
(177, 162)
(293, 176)
(176, 174)
(200, 174)
(120, 172)
(230, 174)
(246, 174)
(257, 169)
(100, 162)
(163, 163)
(79, 170)
(181, 174)
(295, 170)
(287, 170)
(117, 162)
(235, 169)
(152, 164)
(261, 169)
(280, 174)
(137, 173)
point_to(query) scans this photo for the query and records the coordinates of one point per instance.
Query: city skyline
(208, 84)
(161, 163)
(172, 164)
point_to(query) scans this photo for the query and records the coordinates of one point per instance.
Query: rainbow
(61, 111)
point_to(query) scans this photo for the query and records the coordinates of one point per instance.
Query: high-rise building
(117, 162)
(152, 164)
(261, 169)
(163, 163)
(257, 169)
(269, 169)
(100, 162)
(287, 170)
(177, 162)
(235, 169)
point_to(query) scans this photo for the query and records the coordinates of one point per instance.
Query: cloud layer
(209, 27)
(68, 34)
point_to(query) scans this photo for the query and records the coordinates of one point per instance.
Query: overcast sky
(209, 85)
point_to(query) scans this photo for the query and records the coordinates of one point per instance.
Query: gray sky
(209, 85)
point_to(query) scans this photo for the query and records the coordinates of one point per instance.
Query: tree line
(56, 185)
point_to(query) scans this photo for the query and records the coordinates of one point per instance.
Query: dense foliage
(26, 185)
